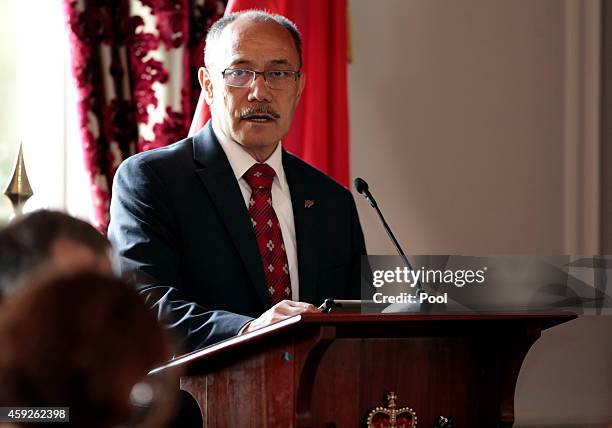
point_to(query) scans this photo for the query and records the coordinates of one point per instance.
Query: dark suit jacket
(179, 222)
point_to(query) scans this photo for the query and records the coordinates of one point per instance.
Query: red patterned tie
(268, 232)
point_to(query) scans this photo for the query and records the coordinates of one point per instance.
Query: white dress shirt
(240, 161)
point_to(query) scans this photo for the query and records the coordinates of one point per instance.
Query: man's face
(256, 117)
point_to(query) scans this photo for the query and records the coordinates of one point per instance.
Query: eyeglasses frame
(255, 74)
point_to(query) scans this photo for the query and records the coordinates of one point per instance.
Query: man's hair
(27, 242)
(253, 15)
(78, 340)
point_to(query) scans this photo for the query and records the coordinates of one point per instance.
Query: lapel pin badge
(308, 203)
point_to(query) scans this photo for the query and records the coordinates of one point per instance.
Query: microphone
(362, 187)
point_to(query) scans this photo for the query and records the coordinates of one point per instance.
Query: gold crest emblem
(391, 416)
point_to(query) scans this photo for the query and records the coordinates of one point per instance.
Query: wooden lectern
(331, 370)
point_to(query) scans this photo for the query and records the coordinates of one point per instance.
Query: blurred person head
(49, 240)
(84, 341)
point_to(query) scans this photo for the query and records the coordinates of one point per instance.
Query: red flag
(319, 132)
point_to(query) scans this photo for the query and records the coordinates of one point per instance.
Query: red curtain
(319, 133)
(135, 65)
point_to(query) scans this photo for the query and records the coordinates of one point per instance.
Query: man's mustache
(258, 109)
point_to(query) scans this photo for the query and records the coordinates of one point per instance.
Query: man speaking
(225, 232)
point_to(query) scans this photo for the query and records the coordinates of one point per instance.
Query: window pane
(8, 110)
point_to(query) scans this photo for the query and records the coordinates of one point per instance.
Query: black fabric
(180, 226)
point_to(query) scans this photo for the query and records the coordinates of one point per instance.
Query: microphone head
(361, 185)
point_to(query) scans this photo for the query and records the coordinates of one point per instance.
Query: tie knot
(260, 176)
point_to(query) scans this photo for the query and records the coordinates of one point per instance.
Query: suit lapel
(304, 215)
(219, 179)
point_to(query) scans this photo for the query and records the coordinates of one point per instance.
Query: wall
(474, 123)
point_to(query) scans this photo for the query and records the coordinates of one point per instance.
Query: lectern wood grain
(330, 370)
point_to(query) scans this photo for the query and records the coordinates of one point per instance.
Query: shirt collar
(240, 160)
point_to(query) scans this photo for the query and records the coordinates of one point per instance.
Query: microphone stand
(362, 187)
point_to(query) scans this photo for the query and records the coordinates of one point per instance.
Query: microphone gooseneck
(362, 187)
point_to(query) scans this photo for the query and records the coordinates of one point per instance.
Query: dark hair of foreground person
(80, 341)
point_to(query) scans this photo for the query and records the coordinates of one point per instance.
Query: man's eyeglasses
(276, 79)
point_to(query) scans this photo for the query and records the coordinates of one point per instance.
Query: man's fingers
(306, 307)
(287, 311)
(312, 308)
(281, 311)
(290, 308)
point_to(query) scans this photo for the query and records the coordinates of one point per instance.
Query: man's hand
(278, 312)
